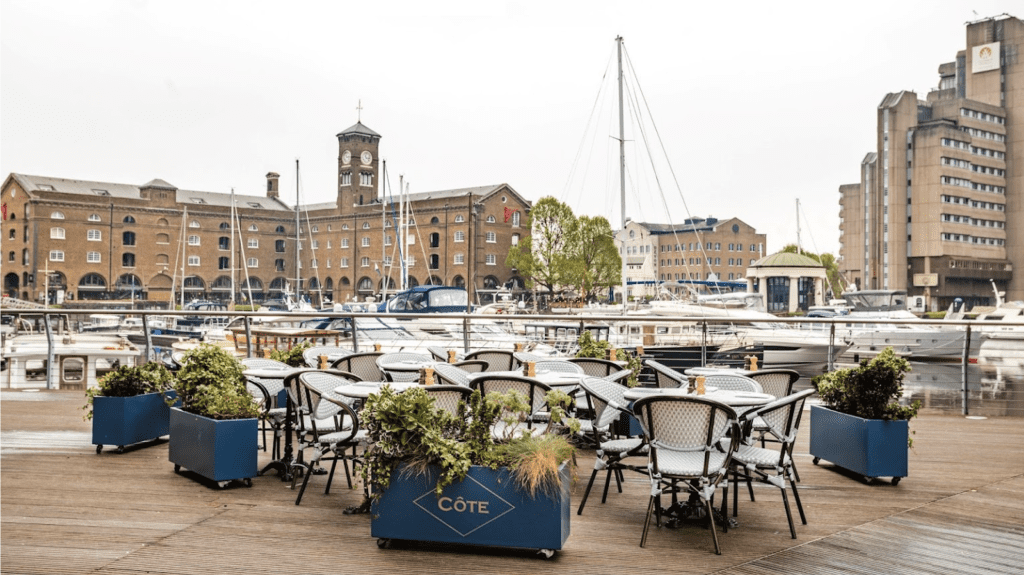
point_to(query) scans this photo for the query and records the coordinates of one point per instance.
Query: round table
(406, 370)
(728, 397)
(548, 377)
(363, 389)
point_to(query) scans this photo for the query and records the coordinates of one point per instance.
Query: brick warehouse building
(102, 240)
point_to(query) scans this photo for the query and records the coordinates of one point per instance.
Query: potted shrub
(129, 406)
(214, 432)
(861, 425)
(591, 347)
(450, 479)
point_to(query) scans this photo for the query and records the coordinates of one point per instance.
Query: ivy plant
(293, 357)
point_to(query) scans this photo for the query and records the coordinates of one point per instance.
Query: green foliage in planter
(293, 356)
(871, 391)
(129, 381)
(406, 428)
(210, 383)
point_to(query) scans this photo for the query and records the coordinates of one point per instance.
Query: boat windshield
(877, 301)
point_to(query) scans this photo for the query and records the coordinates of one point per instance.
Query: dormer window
(198, 200)
(45, 187)
(256, 205)
(101, 192)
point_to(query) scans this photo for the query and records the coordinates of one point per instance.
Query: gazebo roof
(786, 260)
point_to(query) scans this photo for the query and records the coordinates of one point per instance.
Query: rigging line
(312, 250)
(245, 264)
(809, 232)
(643, 98)
(579, 151)
(423, 248)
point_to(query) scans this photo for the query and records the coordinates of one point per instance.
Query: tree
(545, 257)
(835, 284)
(595, 263)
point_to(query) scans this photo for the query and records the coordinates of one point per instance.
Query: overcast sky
(754, 104)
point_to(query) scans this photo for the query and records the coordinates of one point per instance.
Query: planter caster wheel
(99, 448)
(816, 460)
(120, 449)
(222, 484)
(546, 553)
(869, 480)
(177, 468)
(895, 480)
(247, 482)
(383, 543)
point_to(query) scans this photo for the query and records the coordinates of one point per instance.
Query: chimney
(272, 189)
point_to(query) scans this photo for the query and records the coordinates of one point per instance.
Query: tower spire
(359, 111)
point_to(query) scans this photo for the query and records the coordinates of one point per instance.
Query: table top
(716, 371)
(272, 373)
(728, 397)
(363, 389)
(551, 378)
(406, 365)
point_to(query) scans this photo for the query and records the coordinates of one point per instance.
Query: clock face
(366, 158)
(346, 157)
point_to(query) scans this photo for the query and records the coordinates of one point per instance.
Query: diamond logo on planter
(466, 507)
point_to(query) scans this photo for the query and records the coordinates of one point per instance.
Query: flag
(508, 213)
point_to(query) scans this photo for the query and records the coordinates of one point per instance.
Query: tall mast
(298, 234)
(383, 229)
(622, 174)
(184, 254)
(231, 304)
(798, 226)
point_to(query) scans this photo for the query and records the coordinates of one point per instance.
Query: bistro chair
(332, 426)
(606, 400)
(266, 389)
(777, 382)
(497, 359)
(450, 374)
(441, 353)
(447, 397)
(683, 433)
(665, 376)
(534, 391)
(471, 365)
(400, 357)
(559, 366)
(596, 367)
(312, 355)
(524, 356)
(362, 364)
(771, 466)
(732, 382)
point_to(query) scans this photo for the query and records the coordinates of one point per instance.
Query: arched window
(365, 285)
(94, 217)
(163, 239)
(129, 220)
(128, 238)
(128, 282)
(490, 282)
(515, 219)
(380, 284)
(162, 259)
(277, 285)
(366, 225)
(223, 283)
(92, 282)
(279, 229)
(490, 219)
(343, 282)
(224, 243)
(224, 226)
(194, 283)
(329, 284)
(434, 220)
(413, 282)
(253, 228)
(459, 218)
(57, 215)
(434, 280)
(254, 284)
(435, 240)
(162, 222)
(194, 224)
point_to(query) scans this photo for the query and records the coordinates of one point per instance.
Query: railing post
(355, 336)
(704, 343)
(149, 337)
(831, 344)
(248, 338)
(465, 334)
(51, 357)
(963, 367)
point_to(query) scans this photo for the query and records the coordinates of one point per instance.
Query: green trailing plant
(293, 357)
(870, 391)
(210, 383)
(129, 381)
(595, 348)
(407, 431)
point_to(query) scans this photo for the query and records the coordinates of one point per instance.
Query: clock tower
(357, 167)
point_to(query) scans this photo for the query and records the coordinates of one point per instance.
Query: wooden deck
(65, 509)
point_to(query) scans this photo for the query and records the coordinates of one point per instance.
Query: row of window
(947, 199)
(515, 217)
(708, 246)
(950, 143)
(965, 183)
(697, 261)
(969, 239)
(695, 276)
(969, 113)
(959, 219)
(964, 164)
(984, 134)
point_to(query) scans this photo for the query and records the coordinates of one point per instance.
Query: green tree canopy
(835, 282)
(596, 263)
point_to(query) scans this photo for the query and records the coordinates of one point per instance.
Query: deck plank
(65, 509)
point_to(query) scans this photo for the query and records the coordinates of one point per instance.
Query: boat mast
(622, 174)
(184, 254)
(298, 241)
(798, 226)
(383, 228)
(231, 304)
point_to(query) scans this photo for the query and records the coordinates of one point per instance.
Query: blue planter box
(486, 508)
(123, 421)
(220, 450)
(871, 447)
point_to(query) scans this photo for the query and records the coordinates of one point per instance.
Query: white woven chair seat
(332, 438)
(278, 413)
(759, 456)
(759, 424)
(622, 445)
(688, 463)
